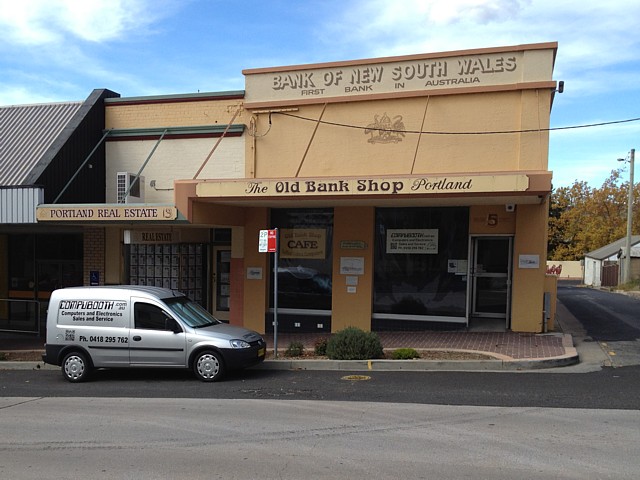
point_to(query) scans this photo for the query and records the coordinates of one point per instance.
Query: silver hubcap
(74, 367)
(208, 366)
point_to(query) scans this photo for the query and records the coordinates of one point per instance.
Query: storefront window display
(305, 259)
(177, 266)
(420, 263)
(37, 265)
(41, 263)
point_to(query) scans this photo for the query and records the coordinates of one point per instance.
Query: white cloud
(461, 11)
(41, 22)
(12, 95)
(53, 48)
(591, 35)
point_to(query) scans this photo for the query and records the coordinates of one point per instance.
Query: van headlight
(239, 344)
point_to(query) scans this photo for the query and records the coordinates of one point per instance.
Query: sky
(60, 50)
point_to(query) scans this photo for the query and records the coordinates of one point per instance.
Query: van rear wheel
(208, 366)
(75, 367)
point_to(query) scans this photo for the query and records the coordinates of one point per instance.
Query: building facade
(139, 235)
(50, 153)
(407, 192)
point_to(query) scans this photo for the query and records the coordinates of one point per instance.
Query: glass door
(491, 277)
(221, 282)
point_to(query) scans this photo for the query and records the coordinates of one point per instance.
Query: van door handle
(137, 338)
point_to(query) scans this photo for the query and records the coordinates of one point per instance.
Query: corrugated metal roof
(26, 133)
(613, 248)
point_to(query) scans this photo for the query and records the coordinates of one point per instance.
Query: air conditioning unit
(133, 184)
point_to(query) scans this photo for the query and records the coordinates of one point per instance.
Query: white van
(137, 326)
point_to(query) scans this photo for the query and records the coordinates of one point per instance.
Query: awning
(407, 190)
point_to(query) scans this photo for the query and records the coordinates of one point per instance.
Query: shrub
(354, 344)
(632, 285)
(405, 354)
(295, 349)
(320, 347)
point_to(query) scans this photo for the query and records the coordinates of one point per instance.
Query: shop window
(176, 266)
(42, 263)
(37, 265)
(305, 258)
(420, 262)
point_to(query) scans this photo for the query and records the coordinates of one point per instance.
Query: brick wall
(162, 114)
(94, 249)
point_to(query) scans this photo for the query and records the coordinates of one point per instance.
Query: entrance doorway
(221, 282)
(491, 267)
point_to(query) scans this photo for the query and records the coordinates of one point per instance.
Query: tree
(582, 218)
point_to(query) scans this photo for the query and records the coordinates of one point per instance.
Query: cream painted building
(407, 193)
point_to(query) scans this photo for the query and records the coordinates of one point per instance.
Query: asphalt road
(617, 388)
(610, 319)
(606, 316)
(568, 423)
(151, 438)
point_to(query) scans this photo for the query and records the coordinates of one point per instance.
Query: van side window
(150, 317)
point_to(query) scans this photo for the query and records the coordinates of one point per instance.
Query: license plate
(261, 352)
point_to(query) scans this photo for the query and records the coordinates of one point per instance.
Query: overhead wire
(419, 132)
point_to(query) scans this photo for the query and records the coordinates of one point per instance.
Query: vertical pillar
(236, 307)
(528, 283)
(353, 227)
(94, 250)
(255, 301)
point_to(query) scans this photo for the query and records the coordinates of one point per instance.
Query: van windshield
(191, 313)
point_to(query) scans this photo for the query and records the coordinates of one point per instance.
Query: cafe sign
(106, 213)
(303, 243)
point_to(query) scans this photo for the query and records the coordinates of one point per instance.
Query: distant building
(602, 266)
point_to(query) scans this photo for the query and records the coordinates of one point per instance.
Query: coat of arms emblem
(385, 130)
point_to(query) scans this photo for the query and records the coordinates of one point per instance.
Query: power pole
(626, 273)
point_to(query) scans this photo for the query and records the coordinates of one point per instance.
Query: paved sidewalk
(503, 345)
(504, 351)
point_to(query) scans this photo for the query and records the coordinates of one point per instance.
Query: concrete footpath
(443, 350)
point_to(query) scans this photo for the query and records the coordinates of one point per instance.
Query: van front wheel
(75, 367)
(208, 366)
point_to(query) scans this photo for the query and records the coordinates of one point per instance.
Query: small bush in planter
(354, 344)
(320, 347)
(405, 354)
(295, 349)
